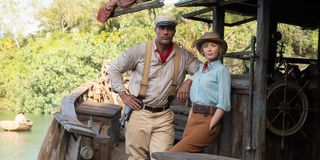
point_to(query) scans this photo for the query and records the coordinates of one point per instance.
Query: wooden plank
(119, 153)
(50, 141)
(98, 109)
(239, 84)
(183, 110)
(137, 7)
(77, 128)
(105, 143)
(180, 119)
(188, 156)
(192, 3)
(63, 144)
(73, 148)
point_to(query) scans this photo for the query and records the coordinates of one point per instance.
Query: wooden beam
(192, 3)
(197, 13)
(209, 21)
(245, 55)
(318, 57)
(257, 149)
(240, 22)
(218, 20)
(192, 15)
(136, 8)
(299, 60)
(187, 156)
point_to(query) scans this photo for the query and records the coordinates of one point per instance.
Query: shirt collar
(213, 64)
(154, 48)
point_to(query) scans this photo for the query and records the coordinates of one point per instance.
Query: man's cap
(165, 21)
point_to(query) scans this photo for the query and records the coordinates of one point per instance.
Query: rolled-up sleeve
(224, 90)
(125, 62)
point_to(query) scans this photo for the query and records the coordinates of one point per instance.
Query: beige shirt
(160, 75)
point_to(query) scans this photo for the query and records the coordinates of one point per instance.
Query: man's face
(164, 34)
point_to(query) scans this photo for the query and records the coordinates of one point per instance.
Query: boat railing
(68, 117)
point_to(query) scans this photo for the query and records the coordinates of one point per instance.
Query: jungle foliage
(72, 46)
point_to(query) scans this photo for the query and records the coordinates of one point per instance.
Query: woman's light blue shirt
(212, 87)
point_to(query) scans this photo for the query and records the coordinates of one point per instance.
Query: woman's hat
(211, 37)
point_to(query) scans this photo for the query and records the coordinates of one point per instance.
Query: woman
(209, 95)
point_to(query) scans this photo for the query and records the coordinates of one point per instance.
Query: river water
(23, 145)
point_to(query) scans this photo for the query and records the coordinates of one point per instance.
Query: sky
(18, 17)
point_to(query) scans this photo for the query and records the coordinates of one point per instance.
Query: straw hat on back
(212, 37)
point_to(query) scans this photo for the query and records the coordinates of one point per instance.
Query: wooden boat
(15, 126)
(87, 126)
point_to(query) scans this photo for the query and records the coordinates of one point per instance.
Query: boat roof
(304, 13)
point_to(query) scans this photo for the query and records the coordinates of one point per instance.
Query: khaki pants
(148, 132)
(196, 135)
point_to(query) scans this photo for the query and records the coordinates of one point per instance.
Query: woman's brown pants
(196, 135)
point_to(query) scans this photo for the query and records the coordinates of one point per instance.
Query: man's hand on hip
(130, 100)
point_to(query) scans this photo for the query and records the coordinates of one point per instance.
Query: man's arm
(192, 65)
(122, 64)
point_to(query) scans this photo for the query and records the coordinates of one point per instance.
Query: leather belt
(203, 109)
(156, 109)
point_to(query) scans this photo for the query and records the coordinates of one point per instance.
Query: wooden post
(259, 107)
(218, 20)
(318, 58)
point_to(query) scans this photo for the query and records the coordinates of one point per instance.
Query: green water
(23, 145)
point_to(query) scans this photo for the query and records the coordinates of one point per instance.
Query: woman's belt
(203, 109)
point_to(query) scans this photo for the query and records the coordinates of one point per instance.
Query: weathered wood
(75, 128)
(244, 55)
(257, 150)
(192, 3)
(98, 109)
(183, 110)
(119, 153)
(105, 143)
(239, 82)
(180, 119)
(50, 141)
(137, 7)
(188, 156)
(63, 144)
(73, 148)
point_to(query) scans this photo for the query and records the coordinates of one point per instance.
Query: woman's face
(211, 50)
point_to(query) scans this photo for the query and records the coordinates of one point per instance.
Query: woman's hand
(216, 118)
(130, 100)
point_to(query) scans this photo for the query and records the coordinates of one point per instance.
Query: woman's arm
(190, 113)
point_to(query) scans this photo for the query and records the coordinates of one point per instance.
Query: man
(20, 118)
(150, 127)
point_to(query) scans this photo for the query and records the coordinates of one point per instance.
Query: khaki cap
(165, 21)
